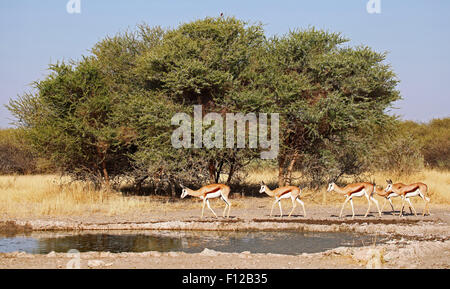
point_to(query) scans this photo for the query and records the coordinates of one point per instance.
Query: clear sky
(35, 33)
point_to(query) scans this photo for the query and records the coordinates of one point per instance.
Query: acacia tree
(109, 114)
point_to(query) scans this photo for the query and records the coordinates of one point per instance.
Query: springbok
(355, 190)
(408, 191)
(210, 192)
(284, 193)
(387, 197)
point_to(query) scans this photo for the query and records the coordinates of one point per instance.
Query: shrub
(15, 156)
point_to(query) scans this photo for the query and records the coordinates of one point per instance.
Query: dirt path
(250, 209)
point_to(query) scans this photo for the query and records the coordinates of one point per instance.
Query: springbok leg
(343, 205)
(207, 202)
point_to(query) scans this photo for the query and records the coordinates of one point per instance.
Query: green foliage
(71, 123)
(203, 62)
(396, 150)
(326, 94)
(200, 61)
(405, 147)
(109, 114)
(433, 139)
(16, 156)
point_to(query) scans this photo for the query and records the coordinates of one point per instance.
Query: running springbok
(355, 190)
(284, 193)
(408, 191)
(210, 192)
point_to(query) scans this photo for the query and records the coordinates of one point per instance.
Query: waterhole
(291, 243)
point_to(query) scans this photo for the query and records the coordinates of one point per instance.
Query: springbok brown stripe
(213, 191)
(412, 190)
(358, 190)
(285, 192)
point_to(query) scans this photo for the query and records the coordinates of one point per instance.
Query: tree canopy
(109, 114)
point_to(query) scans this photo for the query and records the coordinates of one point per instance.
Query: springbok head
(184, 192)
(330, 187)
(389, 186)
(263, 188)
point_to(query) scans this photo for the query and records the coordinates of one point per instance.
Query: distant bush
(16, 156)
(436, 149)
(433, 139)
(394, 150)
(408, 146)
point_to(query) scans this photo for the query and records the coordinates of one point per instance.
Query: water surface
(187, 241)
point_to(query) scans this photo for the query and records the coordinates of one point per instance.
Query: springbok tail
(373, 190)
(425, 195)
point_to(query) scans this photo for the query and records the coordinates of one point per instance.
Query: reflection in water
(187, 241)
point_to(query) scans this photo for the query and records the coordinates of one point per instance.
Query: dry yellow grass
(28, 196)
(49, 195)
(438, 184)
(36, 196)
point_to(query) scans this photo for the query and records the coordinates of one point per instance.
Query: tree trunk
(281, 170)
(232, 170)
(219, 171)
(138, 183)
(291, 168)
(106, 176)
(212, 171)
(102, 156)
(172, 189)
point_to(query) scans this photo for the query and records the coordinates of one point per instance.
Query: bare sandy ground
(415, 242)
(415, 254)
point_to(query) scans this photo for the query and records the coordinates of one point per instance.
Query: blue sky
(415, 33)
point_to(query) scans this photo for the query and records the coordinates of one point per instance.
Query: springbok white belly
(413, 194)
(359, 194)
(286, 196)
(392, 195)
(214, 195)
